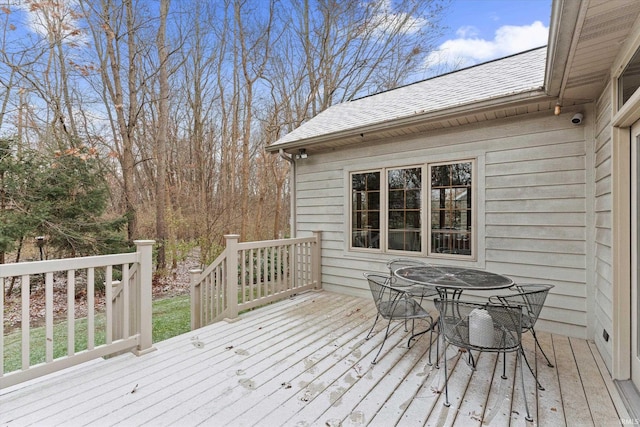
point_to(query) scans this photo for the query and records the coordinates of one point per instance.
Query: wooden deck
(305, 362)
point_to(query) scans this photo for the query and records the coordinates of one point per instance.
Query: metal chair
(393, 304)
(531, 297)
(486, 327)
(415, 290)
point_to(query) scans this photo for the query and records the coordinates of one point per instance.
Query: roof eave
(508, 101)
(562, 28)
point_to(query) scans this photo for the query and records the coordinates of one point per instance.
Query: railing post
(144, 310)
(232, 274)
(196, 299)
(316, 260)
(117, 312)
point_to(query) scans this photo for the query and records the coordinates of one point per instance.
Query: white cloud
(57, 19)
(387, 20)
(468, 49)
(467, 31)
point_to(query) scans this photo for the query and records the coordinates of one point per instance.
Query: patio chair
(393, 304)
(484, 327)
(531, 296)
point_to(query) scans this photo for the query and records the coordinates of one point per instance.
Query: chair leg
(433, 326)
(504, 366)
(471, 360)
(375, 359)
(446, 380)
(531, 370)
(415, 336)
(524, 392)
(535, 338)
(372, 326)
(437, 351)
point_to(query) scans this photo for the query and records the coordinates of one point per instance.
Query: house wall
(535, 206)
(603, 279)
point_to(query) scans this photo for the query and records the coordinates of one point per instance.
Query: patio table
(451, 281)
(455, 279)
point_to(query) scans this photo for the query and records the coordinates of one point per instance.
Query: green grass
(171, 317)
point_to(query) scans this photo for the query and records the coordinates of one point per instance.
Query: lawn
(171, 317)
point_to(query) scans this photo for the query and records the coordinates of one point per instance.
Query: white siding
(603, 286)
(531, 203)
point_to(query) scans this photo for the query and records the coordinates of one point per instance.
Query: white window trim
(477, 209)
(474, 212)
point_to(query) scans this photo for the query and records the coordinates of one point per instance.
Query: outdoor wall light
(577, 118)
(302, 154)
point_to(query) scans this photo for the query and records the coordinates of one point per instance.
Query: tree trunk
(161, 139)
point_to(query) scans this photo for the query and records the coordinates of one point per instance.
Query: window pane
(440, 175)
(461, 174)
(365, 210)
(396, 199)
(358, 182)
(629, 81)
(413, 199)
(396, 219)
(396, 179)
(413, 219)
(404, 209)
(373, 181)
(451, 208)
(373, 200)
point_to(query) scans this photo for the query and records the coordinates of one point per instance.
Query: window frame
(381, 218)
(473, 233)
(386, 230)
(425, 210)
(620, 77)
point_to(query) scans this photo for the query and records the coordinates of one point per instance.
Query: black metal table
(453, 279)
(450, 281)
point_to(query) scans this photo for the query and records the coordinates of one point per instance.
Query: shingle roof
(523, 72)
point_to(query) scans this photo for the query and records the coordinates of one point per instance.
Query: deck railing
(250, 274)
(124, 324)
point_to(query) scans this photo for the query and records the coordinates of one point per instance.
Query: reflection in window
(365, 208)
(629, 80)
(404, 196)
(450, 208)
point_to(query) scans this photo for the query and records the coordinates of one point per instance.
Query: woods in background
(178, 100)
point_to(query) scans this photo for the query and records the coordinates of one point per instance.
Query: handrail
(127, 314)
(250, 274)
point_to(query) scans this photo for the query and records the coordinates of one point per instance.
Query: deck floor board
(305, 362)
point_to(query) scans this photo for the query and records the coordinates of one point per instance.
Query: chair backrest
(397, 263)
(531, 296)
(384, 295)
(379, 286)
(393, 303)
(482, 326)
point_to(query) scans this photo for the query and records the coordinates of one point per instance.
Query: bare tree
(114, 29)
(161, 137)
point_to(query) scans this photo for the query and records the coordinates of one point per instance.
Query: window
(451, 208)
(365, 208)
(404, 213)
(629, 80)
(388, 209)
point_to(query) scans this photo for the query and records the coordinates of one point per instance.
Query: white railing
(250, 274)
(124, 324)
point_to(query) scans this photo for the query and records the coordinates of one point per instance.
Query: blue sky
(482, 30)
